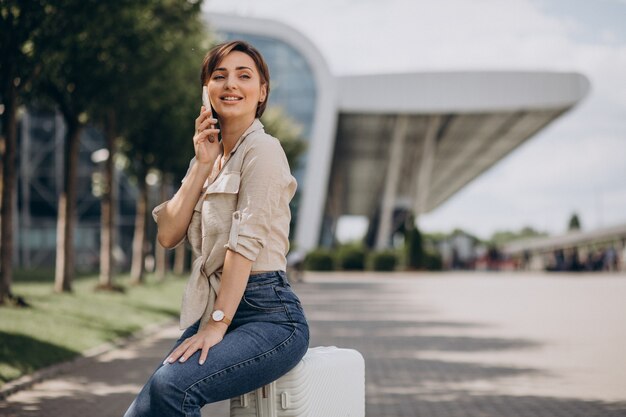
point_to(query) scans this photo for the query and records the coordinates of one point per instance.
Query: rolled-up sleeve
(157, 209)
(264, 176)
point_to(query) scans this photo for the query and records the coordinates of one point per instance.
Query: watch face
(218, 315)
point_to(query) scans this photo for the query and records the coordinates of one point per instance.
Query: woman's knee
(163, 382)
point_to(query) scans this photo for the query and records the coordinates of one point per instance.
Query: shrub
(432, 261)
(383, 260)
(319, 260)
(351, 257)
(414, 248)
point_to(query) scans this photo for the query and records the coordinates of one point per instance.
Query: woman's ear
(263, 93)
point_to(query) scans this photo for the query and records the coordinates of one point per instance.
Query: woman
(244, 325)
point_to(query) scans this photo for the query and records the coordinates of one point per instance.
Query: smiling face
(235, 87)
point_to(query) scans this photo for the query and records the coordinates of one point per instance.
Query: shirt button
(236, 216)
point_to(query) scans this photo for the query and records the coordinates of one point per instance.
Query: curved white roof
(460, 92)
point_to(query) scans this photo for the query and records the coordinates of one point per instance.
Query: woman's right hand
(205, 141)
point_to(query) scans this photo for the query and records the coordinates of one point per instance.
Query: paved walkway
(453, 345)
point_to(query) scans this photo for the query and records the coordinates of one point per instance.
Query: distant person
(526, 260)
(244, 326)
(610, 259)
(596, 260)
(559, 257)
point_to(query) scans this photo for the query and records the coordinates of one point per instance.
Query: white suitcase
(328, 382)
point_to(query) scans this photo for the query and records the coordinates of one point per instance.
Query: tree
(93, 74)
(73, 80)
(23, 24)
(502, 237)
(414, 246)
(154, 40)
(574, 223)
(157, 122)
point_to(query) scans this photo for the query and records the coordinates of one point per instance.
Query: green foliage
(574, 223)
(433, 261)
(136, 63)
(319, 260)
(503, 237)
(163, 90)
(23, 24)
(288, 132)
(351, 257)
(414, 247)
(383, 260)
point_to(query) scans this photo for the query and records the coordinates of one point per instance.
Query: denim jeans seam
(239, 364)
(284, 305)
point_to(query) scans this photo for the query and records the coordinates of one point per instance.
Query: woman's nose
(229, 82)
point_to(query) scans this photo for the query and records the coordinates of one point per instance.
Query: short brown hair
(215, 56)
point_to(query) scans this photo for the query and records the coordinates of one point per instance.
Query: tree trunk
(9, 133)
(107, 208)
(160, 252)
(179, 259)
(139, 238)
(66, 217)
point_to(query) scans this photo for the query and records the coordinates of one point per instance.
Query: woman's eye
(246, 76)
(218, 77)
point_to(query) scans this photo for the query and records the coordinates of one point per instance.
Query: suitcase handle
(244, 400)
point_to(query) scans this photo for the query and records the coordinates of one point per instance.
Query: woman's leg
(249, 357)
(141, 402)
(268, 337)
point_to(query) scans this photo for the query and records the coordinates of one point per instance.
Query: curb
(27, 381)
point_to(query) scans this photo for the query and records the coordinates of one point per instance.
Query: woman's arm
(233, 284)
(175, 216)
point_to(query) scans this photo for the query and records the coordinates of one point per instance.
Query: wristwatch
(219, 316)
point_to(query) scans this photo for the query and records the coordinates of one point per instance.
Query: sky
(575, 165)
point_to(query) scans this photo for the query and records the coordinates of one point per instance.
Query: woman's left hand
(205, 339)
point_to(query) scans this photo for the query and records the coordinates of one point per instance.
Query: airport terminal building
(388, 143)
(382, 146)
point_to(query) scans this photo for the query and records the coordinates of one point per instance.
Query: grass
(58, 327)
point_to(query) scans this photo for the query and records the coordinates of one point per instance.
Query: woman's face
(235, 87)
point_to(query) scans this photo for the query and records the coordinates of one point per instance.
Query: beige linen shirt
(243, 207)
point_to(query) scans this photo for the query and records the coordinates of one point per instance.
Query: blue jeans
(268, 336)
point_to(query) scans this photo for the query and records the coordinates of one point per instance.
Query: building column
(429, 151)
(391, 180)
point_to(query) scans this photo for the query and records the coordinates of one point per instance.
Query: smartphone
(207, 104)
(205, 99)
